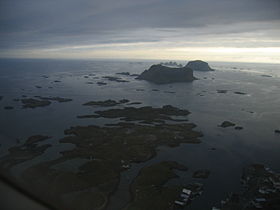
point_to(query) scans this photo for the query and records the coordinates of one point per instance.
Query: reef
(26, 151)
(134, 103)
(34, 103)
(202, 174)
(238, 128)
(226, 124)
(41, 101)
(222, 91)
(240, 93)
(116, 79)
(124, 73)
(106, 103)
(101, 83)
(265, 75)
(58, 99)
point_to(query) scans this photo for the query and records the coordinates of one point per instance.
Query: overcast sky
(220, 30)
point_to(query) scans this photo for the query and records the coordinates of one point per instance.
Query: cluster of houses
(271, 185)
(262, 186)
(267, 187)
(257, 203)
(184, 197)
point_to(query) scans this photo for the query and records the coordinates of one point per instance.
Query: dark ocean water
(258, 111)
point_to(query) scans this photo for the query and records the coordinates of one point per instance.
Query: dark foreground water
(258, 111)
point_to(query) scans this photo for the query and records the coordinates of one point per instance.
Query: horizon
(240, 31)
(135, 60)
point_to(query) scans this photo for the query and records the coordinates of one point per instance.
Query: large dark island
(161, 74)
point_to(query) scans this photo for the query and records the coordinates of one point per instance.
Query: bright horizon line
(93, 52)
(131, 59)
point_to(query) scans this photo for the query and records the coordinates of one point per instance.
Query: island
(105, 103)
(41, 101)
(199, 65)
(161, 74)
(102, 153)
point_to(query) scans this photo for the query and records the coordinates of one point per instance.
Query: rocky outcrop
(106, 103)
(171, 64)
(199, 65)
(201, 174)
(160, 74)
(226, 124)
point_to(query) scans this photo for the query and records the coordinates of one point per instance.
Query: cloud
(64, 24)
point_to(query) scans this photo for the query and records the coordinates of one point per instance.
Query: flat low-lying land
(107, 151)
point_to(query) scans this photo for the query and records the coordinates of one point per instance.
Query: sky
(211, 30)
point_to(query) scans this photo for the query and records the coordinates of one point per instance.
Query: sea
(223, 151)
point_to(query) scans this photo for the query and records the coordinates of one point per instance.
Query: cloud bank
(127, 28)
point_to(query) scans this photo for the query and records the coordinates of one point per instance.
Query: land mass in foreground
(106, 152)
